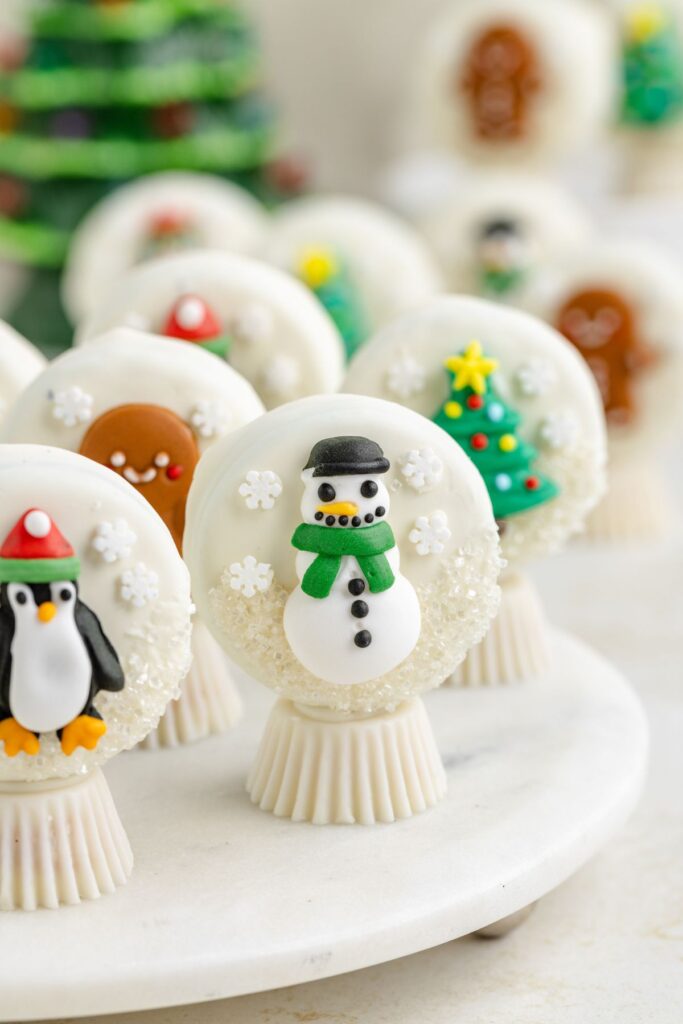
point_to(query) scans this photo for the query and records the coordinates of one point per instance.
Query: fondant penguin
(54, 655)
(353, 616)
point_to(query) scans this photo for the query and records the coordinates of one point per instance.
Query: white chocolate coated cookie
(95, 606)
(20, 362)
(621, 305)
(497, 230)
(514, 395)
(357, 251)
(276, 333)
(499, 80)
(323, 572)
(153, 215)
(147, 407)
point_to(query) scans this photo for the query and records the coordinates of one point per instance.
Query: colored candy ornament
(339, 597)
(529, 417)
(147, 409)
(86, 674)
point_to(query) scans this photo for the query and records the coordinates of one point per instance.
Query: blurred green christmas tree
(652, 67)
(104, 91)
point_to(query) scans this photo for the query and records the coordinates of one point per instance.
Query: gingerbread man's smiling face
(151, 448)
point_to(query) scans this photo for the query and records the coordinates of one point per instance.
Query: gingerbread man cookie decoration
(605, 329)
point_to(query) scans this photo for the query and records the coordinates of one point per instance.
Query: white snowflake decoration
(250, 576)
(261, 488)
(209, 419)
(139, 585)
(114, 541)
(72, 406)
(430, 533)
(281, 376)
(253, 323)
(421, 468)
(558, 430)
(534, 378)
(406, 377)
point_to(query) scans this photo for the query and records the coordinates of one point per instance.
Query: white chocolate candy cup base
(209, 701)
(324, 768)
(636, 507)
(516, 647)
(60, 843)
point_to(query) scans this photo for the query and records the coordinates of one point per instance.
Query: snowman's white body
(321, 631)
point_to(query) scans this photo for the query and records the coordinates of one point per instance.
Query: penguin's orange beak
(47, 611)
(339, 508)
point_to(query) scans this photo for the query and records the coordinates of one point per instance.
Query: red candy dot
(474, 402)
(532, 483)
(174, 472)
(479, 442)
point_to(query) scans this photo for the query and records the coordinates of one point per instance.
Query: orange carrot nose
(47, 611)
(339, 508)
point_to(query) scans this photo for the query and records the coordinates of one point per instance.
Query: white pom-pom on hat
(37, 523)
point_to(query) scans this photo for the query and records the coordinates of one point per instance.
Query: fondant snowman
(353, 616)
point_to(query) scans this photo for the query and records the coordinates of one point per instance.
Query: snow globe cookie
(267, 325)
(93, 648)
(651, 112)
(20, 362)
(346, 592)
(503, 81)
(147, 408)
(361, 261)
(518, 400)
(495, 233)
(155, 216)
(621, 305)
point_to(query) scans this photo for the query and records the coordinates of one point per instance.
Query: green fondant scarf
(366, 544)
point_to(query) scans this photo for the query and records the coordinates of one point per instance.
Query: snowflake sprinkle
(72, 406)
(430, 533)
(209, 419)
(406, 377)
(422, 468)
(114, 541)
(559, 430)
(253, 323)
(250, 576)
(534, 378)
(281, 376)
(139, 585)
(261, 488)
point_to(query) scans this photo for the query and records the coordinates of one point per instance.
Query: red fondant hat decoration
(168, 222)
(35, 551)
(191, 319)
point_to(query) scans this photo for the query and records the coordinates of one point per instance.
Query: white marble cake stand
(226, 899)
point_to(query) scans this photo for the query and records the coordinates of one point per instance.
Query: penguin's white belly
(321, 631)
(51, 674)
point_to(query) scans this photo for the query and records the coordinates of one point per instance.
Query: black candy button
(363, 639)
(359, 609)
(356, 587)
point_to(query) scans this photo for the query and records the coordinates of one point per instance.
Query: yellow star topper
(471, 368)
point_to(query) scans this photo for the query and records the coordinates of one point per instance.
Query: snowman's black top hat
(346, 456)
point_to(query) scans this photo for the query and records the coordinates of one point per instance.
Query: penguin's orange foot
(84, 731)
(16, 738)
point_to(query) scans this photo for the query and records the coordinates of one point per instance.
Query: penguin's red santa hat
(192, 319)
(35, 551)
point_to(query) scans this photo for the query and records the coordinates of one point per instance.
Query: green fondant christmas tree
(102, 91)
(330, 281)
(652, 68)
(486, 428)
